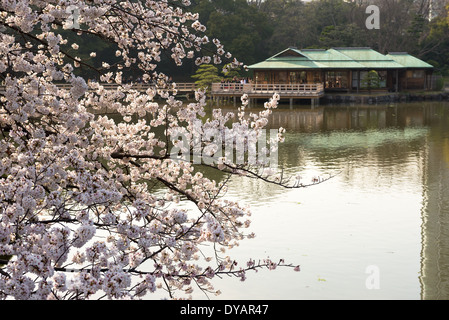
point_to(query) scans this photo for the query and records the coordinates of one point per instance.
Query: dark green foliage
(371, 81)
(240, 26)
(206, 75)
(254, 30)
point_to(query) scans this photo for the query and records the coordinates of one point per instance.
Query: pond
(379, 229)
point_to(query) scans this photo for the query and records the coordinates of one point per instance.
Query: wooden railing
(230, 87)
(286, 90)
(181, 87)
(289, 88)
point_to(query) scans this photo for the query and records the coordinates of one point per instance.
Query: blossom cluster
(93, 205)
(215, 143)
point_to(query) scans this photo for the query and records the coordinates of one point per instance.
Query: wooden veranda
(312, 91)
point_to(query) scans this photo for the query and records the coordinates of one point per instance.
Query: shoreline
(384, 98)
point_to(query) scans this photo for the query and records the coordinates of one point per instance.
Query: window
(294, 77)
(262, 77)
(382, 79)
(305, 77)
(373, 80)
(336, 79)
(317, 76)
(415, 74)
(355, 78)
(283, 77)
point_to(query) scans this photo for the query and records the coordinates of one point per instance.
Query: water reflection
(328, 118)
(391, 196)
(435, 228)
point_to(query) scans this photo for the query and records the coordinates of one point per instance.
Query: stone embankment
(385, 98)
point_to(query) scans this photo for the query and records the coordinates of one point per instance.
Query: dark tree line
(256, 29)
(253, 30)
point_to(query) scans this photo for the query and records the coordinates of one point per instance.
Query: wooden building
(344, 70)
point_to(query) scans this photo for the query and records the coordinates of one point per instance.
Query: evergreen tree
(371, 81)
(206, 75)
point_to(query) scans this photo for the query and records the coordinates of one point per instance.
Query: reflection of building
(344, 69)
(345, 118)
(305, 120)
(426, 143)
(435, 215)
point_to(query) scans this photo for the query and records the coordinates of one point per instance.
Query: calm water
(385, 216)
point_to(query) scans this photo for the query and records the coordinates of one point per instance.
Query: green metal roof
(366, 54)
(326, 55)
(339, 58)
(408, 61)
(286, 64)
(332, 59)
(370, 58)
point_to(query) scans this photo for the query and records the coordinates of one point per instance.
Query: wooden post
(397, 80)
(350, 80)
(425, 78)
(291, 103)
(406, 84)
(358, 80)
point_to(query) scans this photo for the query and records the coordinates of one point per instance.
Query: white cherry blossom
(94, 206)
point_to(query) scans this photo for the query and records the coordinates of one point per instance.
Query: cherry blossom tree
(97, 206)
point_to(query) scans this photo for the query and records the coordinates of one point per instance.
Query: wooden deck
(292, 91)
(183, 87)
(235, 90)
(180, 86)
